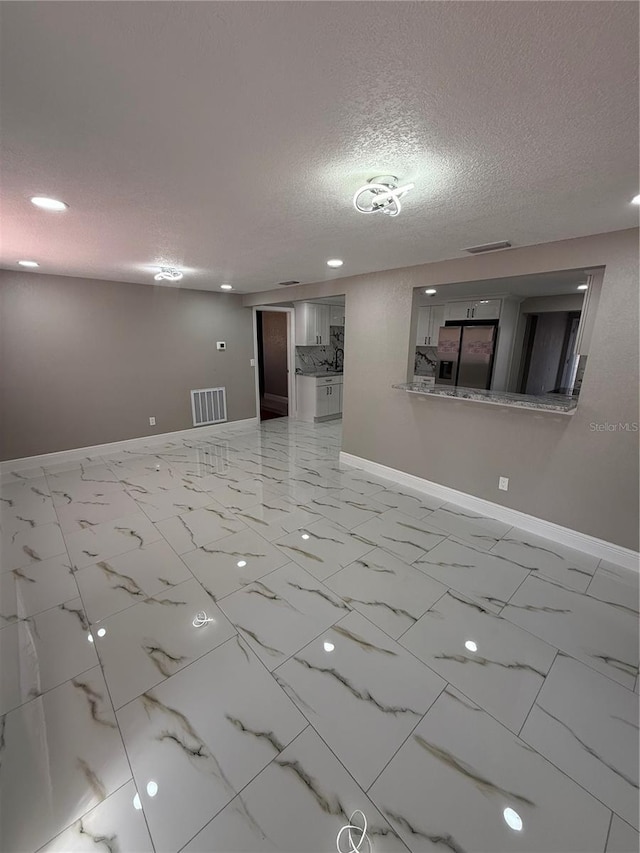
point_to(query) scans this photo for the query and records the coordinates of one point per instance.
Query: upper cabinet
(336, 315)
(429, 321)
(479, 309)
(312, 324)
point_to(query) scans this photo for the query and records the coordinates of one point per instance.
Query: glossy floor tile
(588, 727)
(464, 782)
(494, 663)
(229, 642)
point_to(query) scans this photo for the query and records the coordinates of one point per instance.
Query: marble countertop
(318, 373)
(546, 403)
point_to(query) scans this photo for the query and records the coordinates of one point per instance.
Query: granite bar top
(317, 373)
(557, 403)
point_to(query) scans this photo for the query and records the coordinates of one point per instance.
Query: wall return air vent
(209, 406)
(488, 247)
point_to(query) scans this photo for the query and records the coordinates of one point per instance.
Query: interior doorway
(550, 360)
(273, 363)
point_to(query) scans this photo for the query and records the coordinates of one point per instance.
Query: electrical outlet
(221, 345)
(503, 483)
(152, 421)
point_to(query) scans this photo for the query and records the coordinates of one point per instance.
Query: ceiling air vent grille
(209, 406)
(287, 283)
(488, 247)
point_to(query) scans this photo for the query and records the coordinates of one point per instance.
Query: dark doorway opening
(273, 374)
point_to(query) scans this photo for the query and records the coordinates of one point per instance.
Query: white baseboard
(562, 535)
(127, 444)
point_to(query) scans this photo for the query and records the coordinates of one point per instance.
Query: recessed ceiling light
(48, 203)
(335, 262)
(226, 287)
(430, 291)
(512, 819)
(635, 199)
(168, 274)
(583, 287)
(29, 263)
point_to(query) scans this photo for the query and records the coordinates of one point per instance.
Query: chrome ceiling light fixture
(168, 274)
(381, 194)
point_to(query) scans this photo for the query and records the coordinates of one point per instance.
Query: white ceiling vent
(488, 247)
(209, 406)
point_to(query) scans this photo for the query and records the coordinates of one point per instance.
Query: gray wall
(560, 469)
(85, 362)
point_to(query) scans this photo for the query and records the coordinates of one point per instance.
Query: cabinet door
(323, 324)
(333, 407)
(322, 401)
(436, 320)
(422, 332)
(337, 390)
(458, 310)
(486, 309)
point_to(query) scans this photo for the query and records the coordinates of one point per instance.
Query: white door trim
(562, 535)
(291, 356)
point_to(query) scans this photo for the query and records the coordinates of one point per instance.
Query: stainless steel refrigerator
(465, 355)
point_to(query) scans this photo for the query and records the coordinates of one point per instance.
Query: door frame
(291, 356)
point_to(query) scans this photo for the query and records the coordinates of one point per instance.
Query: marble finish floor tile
(103, 541)
(36, 587)
(391, 594)
(61, 755)
(298, 804)
(116, 824)
(95, 509)
(276, 516)
(414, 504)
(477, 530)
(361, 691)
(346, 508)
(20, 473)
(201, 736)
(571, 568)
(323, 548)
(494, 663)
(588, 728)
(602, 635)
(622, 837)
(460, 775)
(282, 612)
(25, 504)
(42, 651)
(408, 538)
(115, 584)
(149, 642)
(192, 530)
(228, 564)
(480, 575)
(616, 585)
(30, 545)
(163, 478)
(241, 495)
(178, 501)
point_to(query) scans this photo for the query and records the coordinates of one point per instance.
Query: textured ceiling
(228, 138)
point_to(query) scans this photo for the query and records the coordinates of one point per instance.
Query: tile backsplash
(324, 357)
(425, 364)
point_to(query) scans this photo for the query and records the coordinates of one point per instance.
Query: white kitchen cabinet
(429, 321)
(477, 309)
(486, 309)
(312, 324)
(336, 315)
(319, 398)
